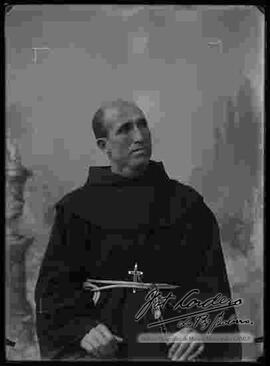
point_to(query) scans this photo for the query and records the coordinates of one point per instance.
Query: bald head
(110, 112)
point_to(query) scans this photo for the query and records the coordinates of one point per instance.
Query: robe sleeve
(211, 279)
(64, 312)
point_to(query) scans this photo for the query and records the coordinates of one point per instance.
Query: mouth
(140, 149)
(139, 152)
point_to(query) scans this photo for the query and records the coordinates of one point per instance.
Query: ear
(102, 143)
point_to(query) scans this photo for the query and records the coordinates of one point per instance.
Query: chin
(140, 160)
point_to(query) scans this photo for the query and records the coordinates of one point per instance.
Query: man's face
(128, 143)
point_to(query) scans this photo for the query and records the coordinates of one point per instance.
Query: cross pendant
(136, 275)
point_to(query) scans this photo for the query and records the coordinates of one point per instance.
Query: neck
(129, 172)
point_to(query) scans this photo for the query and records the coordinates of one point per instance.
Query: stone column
(18, 312)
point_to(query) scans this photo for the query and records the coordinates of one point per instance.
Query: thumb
(117, 338)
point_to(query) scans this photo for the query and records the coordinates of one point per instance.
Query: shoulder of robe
(191, 202)
(186, 194)
(70, 202)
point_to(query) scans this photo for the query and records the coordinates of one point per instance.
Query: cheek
(121, 147)
(147, 135)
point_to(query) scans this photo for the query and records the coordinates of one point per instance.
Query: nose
(137, 134)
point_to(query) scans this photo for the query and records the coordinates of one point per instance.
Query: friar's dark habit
(100, 231)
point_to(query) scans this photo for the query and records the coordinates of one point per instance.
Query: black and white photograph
(134, 170)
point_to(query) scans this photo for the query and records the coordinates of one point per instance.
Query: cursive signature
(154, 300)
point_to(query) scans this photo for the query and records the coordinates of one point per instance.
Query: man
(129, 219)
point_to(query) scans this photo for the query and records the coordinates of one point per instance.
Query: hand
(182, 351)
(100, 341)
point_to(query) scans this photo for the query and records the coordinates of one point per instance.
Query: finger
(107, 334)
(173, 348)
(86, 345)
(103, 344)
(109, 343)
(89, 347)
(118, 339)
(99, 336)
(93, 340)
(197, 353)
(177, 340)
(179, 351)
(193, 347)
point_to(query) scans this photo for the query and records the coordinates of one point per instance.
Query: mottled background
(196, 71)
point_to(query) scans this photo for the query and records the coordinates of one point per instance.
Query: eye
(125, 128)
(142, 123)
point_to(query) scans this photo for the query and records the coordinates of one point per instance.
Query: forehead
(117, 115)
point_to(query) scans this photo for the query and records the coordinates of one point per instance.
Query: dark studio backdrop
(198, 74)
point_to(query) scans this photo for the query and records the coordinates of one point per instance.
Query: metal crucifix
(136, 275)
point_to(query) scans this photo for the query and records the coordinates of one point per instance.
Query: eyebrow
(125, 124)
(129, 122)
